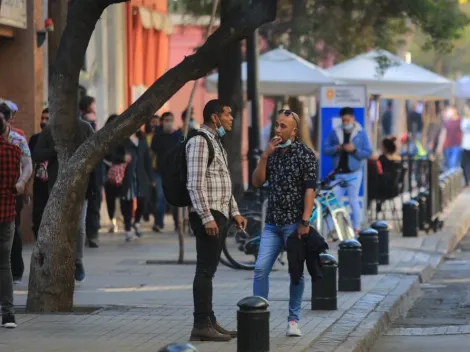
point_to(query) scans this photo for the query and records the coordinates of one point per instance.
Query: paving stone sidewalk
(143, 307)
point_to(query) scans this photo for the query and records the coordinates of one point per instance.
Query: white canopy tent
(282, 73)
(401, 80)
(462, 88)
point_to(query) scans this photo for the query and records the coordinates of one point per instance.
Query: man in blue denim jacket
(349, 146)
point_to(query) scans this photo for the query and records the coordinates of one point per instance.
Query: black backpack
(175, 172)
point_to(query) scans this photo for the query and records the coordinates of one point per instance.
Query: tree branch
(192, 67)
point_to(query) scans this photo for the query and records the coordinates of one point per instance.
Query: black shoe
(156, 229)
(93, 244)
(79, 273)
(137, 230)
(8, 321)
(208, 333)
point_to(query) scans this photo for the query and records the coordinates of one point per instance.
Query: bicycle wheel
(241, 247)
(344, 226)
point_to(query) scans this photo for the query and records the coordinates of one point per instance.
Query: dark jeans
(40, 197)
(141, 208)
(126, 210)
(93, 216)
(7, 230)
(466, 165)
(208, 255)
(111, 192)
(17, 264)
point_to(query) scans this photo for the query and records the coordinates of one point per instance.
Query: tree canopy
(344, 28)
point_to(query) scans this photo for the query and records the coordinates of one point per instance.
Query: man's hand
(349, 147)
(303, 230)
(20, 187)
(240, 222)
(212, 229)
(127, 158)
(273, 143)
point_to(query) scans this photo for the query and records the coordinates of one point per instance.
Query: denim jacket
(360, 140)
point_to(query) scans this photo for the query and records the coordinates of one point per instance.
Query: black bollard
(384, 241)
(324, 291)
(179, 347)
(369, 240)
(410, 218)
(349, 266)
(422, 211)
(253, 325)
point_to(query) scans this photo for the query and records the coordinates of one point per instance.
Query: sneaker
(8, 321)
(17, 280)
(293, 329)
(156, 229)
(136, 227)
(79, 273)
(129, 236)
(113, 228)
(93, 244)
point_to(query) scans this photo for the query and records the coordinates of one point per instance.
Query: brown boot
(208, 333)
(233, 334)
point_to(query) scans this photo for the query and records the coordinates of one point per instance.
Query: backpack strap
(209, 145)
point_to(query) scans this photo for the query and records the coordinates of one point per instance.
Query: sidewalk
(140, 307)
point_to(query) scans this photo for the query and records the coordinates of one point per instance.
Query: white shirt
(465, 127)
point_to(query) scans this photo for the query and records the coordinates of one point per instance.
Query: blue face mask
(348, 128)
(221, 130)
(285, 144)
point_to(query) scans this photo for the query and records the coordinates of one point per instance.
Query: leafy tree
(51, 283)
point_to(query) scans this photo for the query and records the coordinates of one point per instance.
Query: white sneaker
(129, 236)
(293, 329)
(114, 227)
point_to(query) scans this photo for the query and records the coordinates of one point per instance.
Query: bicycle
(241, 246)
(330, 217)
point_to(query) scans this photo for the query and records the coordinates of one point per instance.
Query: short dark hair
(168, 113)
(6, 111)
(390, 104)
(45, 111)
(214, 106)
(85, 102)
(346, 111)
(3, 124)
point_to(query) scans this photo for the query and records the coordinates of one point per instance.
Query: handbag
(116, 174)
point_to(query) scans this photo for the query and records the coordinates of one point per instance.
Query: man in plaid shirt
(210, 189)
(10, 158)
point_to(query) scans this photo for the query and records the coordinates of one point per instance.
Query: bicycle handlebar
(327, 185)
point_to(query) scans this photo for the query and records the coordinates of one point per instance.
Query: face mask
(285, 144)
(42, 125)
(192, 124)
(348, 128)
(167, 126)
(221, 130)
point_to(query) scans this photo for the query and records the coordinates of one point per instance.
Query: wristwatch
(305, 223)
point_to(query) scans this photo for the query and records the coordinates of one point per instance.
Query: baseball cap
(13, 107)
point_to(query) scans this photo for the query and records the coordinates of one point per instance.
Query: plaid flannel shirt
(10, 157)
(209, 187)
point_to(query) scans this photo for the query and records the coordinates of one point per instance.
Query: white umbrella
(282, 73)
(398, 79)
(462, 88)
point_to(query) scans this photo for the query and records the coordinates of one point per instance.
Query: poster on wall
(14, 13)
(332, 100)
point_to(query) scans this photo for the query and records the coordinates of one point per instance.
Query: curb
(360, 338)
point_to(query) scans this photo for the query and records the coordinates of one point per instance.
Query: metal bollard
(441, 195)
(369, 240)
(384, 241)
(179, 347)
(410, 218)
(349, 266)
(253, 325)
(324, 292)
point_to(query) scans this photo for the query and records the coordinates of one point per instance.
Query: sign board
(332, 99)
(14, 13)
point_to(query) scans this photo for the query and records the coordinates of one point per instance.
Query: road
(440, 317)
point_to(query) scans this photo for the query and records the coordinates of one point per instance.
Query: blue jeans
(160, 202)
(452, 155)
(273, 241)
(353, 195)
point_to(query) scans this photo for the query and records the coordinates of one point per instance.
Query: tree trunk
(51, 283)
(57, 10)
(230, 92)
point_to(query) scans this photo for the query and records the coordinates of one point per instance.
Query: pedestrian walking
(210, 189)
(290, 168)
(10, 185)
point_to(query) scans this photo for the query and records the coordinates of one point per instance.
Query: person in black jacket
(40, 188)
